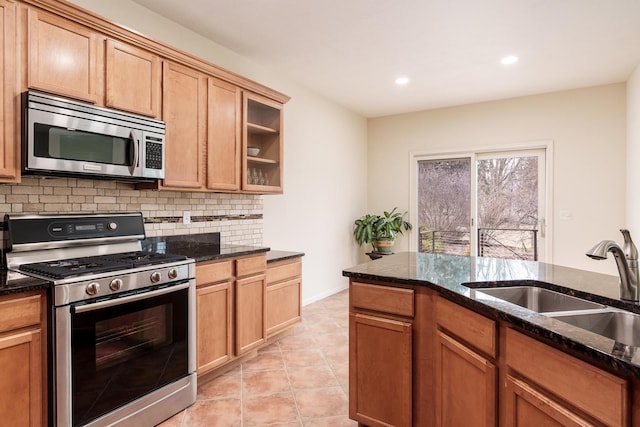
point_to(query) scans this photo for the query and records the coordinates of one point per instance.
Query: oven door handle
(131, 298)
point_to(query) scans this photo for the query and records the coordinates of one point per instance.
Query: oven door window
(123, 352)
(54, 142)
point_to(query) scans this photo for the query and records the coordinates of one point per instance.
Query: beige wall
(587, 127)
(633, 155)
(325, 157)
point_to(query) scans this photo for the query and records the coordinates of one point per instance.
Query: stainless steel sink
(539, 299)
(621, 326)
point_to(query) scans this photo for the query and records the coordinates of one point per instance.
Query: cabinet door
(250, 313)
(213, 314)
(465, 386)
(132, 79)
(283, 305)
(527, 407)
(9, 169)
(262, 128)
(62, 56)
(223, 140)
(21, 384)
(184, 110)
(380, 366)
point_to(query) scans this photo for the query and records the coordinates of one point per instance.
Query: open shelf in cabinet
(262, 119)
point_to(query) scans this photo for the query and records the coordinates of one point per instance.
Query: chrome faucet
(626, 261)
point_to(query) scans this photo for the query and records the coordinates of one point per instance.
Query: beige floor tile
(219, 413)
(326, 327)
(341, 372)
(275, 408)
(321, 402)
(265, 382)
(296, 342)
(340, 421)
(300, 380)
(337, 354)
(334, 339)
(224, 386)
(264, 362)
(301, 358)
(312, 377)
(175, 421)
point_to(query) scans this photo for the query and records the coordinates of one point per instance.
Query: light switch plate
(186, 217)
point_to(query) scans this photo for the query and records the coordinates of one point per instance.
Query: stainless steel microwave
(62, 137)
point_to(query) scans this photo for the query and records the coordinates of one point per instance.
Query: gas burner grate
(66, 268)
(62, 269)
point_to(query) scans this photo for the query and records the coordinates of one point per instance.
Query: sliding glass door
(485, 204)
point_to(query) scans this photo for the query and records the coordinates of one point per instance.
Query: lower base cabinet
(22, 361)
(465, 386)
(527, 407)
(214, 325)
(237, 310)
(284, 294)
(483, 372)
(548, 385)
(379, 371)
(380, 355)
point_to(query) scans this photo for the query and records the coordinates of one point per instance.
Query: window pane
(444, 202)
(508, 207)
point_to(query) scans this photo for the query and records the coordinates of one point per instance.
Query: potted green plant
(380, 230)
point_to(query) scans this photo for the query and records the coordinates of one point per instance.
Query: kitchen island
(445, 353)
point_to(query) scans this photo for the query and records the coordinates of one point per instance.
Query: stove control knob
(173, 273)
(155, 277)
(93, 288)
(116, 284)
(112, 225)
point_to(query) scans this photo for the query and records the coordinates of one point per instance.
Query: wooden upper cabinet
(132, 79)
(184, 98)
(262, 129)
(223, 136)
(62, 56)
(9, 163)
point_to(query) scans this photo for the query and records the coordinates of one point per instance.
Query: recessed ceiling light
(401, 81)
(508, 60)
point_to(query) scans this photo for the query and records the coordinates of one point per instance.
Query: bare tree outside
(507, 204)
(444, 205)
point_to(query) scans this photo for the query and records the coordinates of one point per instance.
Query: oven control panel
(65, 230)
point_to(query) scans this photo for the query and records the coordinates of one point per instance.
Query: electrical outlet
(186, 217)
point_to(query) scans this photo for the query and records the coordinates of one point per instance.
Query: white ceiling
(351, 51)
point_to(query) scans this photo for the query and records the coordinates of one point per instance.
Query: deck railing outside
(510, 243)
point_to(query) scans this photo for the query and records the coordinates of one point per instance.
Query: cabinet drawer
(251, 265)
(385, 299)
(213, 272)
(282, 270)
(469, 326)
(592, 390)
(19, 312)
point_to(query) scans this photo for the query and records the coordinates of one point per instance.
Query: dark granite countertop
(273, 256)
(14, 283)
(207, 247)
(201, 247)
(459, 279)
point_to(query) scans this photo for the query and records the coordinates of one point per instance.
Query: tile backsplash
(238, 217)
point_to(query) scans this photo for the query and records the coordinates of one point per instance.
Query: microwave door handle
(135, 146)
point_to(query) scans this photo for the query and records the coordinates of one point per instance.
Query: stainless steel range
(122, 321)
